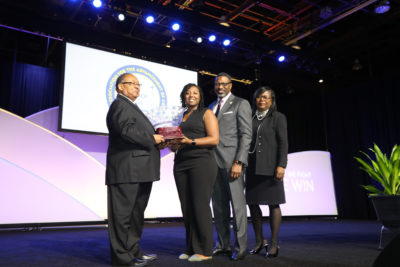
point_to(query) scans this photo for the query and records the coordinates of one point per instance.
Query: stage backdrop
(89, 86)
(51, 176)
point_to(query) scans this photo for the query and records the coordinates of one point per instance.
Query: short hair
(120, 79)
(224, 74)
(183, 93)
(260, 91)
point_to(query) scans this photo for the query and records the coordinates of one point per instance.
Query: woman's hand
(280, 172)
(186, 141)
(175, 144)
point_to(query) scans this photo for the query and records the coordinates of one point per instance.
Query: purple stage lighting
(176, 26)
(382, 7)
(150, 19)
(226, 42)
(212, 38)
(281, 58)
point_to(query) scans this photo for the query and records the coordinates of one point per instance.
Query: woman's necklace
(261, 115)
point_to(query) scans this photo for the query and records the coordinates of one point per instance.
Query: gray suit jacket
(235, 132)
(132, 155)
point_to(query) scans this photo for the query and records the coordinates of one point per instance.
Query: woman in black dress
(195, 170)
(267, 163)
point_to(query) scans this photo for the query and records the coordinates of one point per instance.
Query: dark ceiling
(336, 37)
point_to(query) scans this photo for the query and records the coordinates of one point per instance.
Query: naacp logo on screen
(152, 92)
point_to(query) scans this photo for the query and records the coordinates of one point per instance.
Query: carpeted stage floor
(303, 242)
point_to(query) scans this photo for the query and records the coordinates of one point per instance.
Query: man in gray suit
(133, 163)
(234, 118)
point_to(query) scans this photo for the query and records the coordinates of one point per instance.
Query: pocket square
(229, 112)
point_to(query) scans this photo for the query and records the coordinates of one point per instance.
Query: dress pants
(126, 206)
(228, 190)
(195, 184)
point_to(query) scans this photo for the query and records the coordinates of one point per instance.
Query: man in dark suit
(133, 163)
(234, 119)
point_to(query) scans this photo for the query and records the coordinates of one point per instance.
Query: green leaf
(371, 172)
(395, 179)
(372, 189)
(382, 162)
(395, 155)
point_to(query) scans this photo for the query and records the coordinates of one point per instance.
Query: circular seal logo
(151, 87)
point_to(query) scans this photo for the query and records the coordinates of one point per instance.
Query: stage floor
(303, 242)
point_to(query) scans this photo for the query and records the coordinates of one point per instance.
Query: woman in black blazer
(267, 163)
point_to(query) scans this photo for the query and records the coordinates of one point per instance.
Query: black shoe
(221, 251)
(138, 262)
(258, 248)
(274, 255)
(148, 257)
(238, 256)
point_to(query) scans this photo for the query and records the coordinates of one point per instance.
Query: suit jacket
(271, 144)
(235, 130)
(132, 155)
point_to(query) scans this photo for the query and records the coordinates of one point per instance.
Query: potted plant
(386, 195)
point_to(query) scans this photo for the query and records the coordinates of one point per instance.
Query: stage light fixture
(212, 38)
(281, 58)
(296, 46)
(226, 42)
(121, 16)
(199, 40)
(97, 3)
(321, 80)
(149, 19)
(223, 21)
(382, 7)
(176, 26)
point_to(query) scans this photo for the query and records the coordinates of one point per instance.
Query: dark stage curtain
(305, 120)
(27, 89)
(357, 117)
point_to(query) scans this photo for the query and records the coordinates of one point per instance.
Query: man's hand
(280, 172)
(174, 144)
(236, 170)
(158, 138)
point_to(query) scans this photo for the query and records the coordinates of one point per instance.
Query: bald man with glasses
(133, 164)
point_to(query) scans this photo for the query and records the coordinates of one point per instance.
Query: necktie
(218, 107)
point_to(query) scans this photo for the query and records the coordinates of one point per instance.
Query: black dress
(195, 170)
(261, 189)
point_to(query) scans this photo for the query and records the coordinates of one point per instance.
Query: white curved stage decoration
(52, 176)
(164, 201)
(45, 178)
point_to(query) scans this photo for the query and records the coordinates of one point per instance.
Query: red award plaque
(170, 133)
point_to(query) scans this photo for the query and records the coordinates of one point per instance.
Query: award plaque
(166, 121)
(172, 132)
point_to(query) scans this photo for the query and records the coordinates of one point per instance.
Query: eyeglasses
(132, 83)
(222, 84)
(263, 97)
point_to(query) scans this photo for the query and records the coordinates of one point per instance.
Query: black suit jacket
(271, 144)
(132, 155)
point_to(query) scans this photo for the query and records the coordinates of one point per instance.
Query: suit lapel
(226, 106)
(135, 107)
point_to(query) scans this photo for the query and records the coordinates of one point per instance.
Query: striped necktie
(218, 107)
